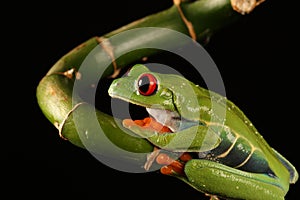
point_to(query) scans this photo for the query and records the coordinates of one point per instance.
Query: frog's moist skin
(230, 150)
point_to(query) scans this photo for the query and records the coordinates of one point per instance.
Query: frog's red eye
(147, 84)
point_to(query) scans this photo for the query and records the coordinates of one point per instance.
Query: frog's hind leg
(225, 182)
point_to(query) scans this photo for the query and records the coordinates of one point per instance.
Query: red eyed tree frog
(222, 153)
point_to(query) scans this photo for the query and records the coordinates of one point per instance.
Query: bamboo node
(245, 6)
(60, 126)
(187, 23)
(70, 73)
(108, 48)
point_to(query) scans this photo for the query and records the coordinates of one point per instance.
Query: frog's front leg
(218, 179)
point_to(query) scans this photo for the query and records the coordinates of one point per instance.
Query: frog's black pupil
(144, 84)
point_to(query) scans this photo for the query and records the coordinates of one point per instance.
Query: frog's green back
(212, 108)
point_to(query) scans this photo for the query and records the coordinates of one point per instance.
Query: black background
(257, 58)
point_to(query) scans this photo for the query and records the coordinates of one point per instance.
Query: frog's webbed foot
(171, 166)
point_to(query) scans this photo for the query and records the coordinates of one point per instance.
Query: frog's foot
(147, 125)
(172, 166)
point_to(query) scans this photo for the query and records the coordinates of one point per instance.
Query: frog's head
(167, 97)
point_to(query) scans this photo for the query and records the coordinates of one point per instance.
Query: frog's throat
(170, 119)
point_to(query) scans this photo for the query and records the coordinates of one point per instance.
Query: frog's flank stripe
(236, 151)
(245, 161)
(240, 151)
(228, 139)
(224, 154)
(257, 163)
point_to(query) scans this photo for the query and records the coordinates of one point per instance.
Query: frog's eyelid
(127, 72)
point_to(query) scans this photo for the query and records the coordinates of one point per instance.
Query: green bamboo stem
(207, 17)
(54, 92)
